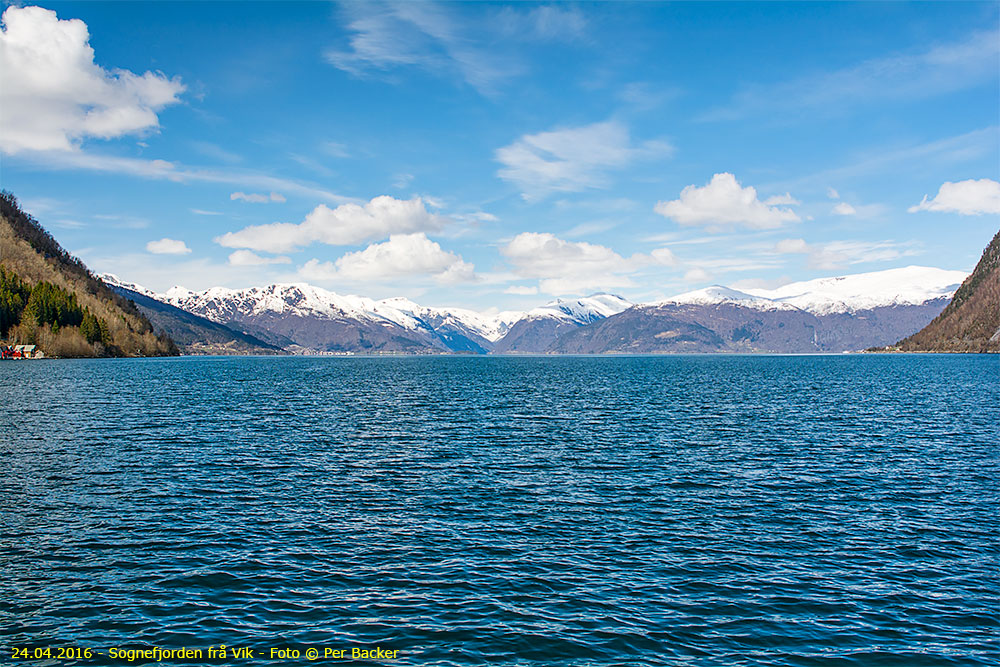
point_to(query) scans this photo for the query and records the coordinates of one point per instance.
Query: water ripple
(545, 511)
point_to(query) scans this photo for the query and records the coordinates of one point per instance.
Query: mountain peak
(718, 294)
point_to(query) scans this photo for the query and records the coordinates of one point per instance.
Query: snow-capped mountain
(539, 328)
(829, 314)
(317, 319)
(825, 315)
(908, 286)
(302, 316)
(717, 294)
(112, 280)
(582, 311)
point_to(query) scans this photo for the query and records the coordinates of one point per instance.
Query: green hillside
(50, 299)
(971, 322)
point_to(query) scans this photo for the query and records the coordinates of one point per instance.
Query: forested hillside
(50, 299)
(971, 322)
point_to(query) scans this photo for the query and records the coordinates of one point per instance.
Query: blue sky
(498, 155)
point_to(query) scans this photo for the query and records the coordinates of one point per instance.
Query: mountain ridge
(971, 320)
(74, 314)
(840, 313)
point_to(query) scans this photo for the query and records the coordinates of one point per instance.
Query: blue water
(691, 510)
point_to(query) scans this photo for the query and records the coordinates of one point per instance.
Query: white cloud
(255, 198)
(697, 275)
(402, 256)
(168, 247)
(832, 194)
(347, 224)
(249, 258)
(572, 159)
(201, 211)
(843, 208)
(782, 200)
(788, 246)
(523, 290)
(724, 202)
(969, 197)
(54, 95)
(566, 267)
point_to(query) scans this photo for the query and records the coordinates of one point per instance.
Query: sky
(491, 155)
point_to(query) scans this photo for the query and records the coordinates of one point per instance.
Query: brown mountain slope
(971, 322)
(31, 254)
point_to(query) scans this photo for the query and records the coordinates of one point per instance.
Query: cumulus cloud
(567, 267)
(724, 202)
(54, 94)
(347, 224)
(402, 256)
(969, 197)
(249, 258)
(255, 198)
(168, 247)
(843, 208)
(782, 200)
(572, 159)
(787, 246)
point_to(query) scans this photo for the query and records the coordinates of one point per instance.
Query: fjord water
(696, 510)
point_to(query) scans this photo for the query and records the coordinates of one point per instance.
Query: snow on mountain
(717, 294)
(404, 311)
(221, 304)
(317, 319)
(911, 285)
(114, 281)
(582, 311)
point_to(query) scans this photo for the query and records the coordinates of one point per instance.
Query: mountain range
(836, 314)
